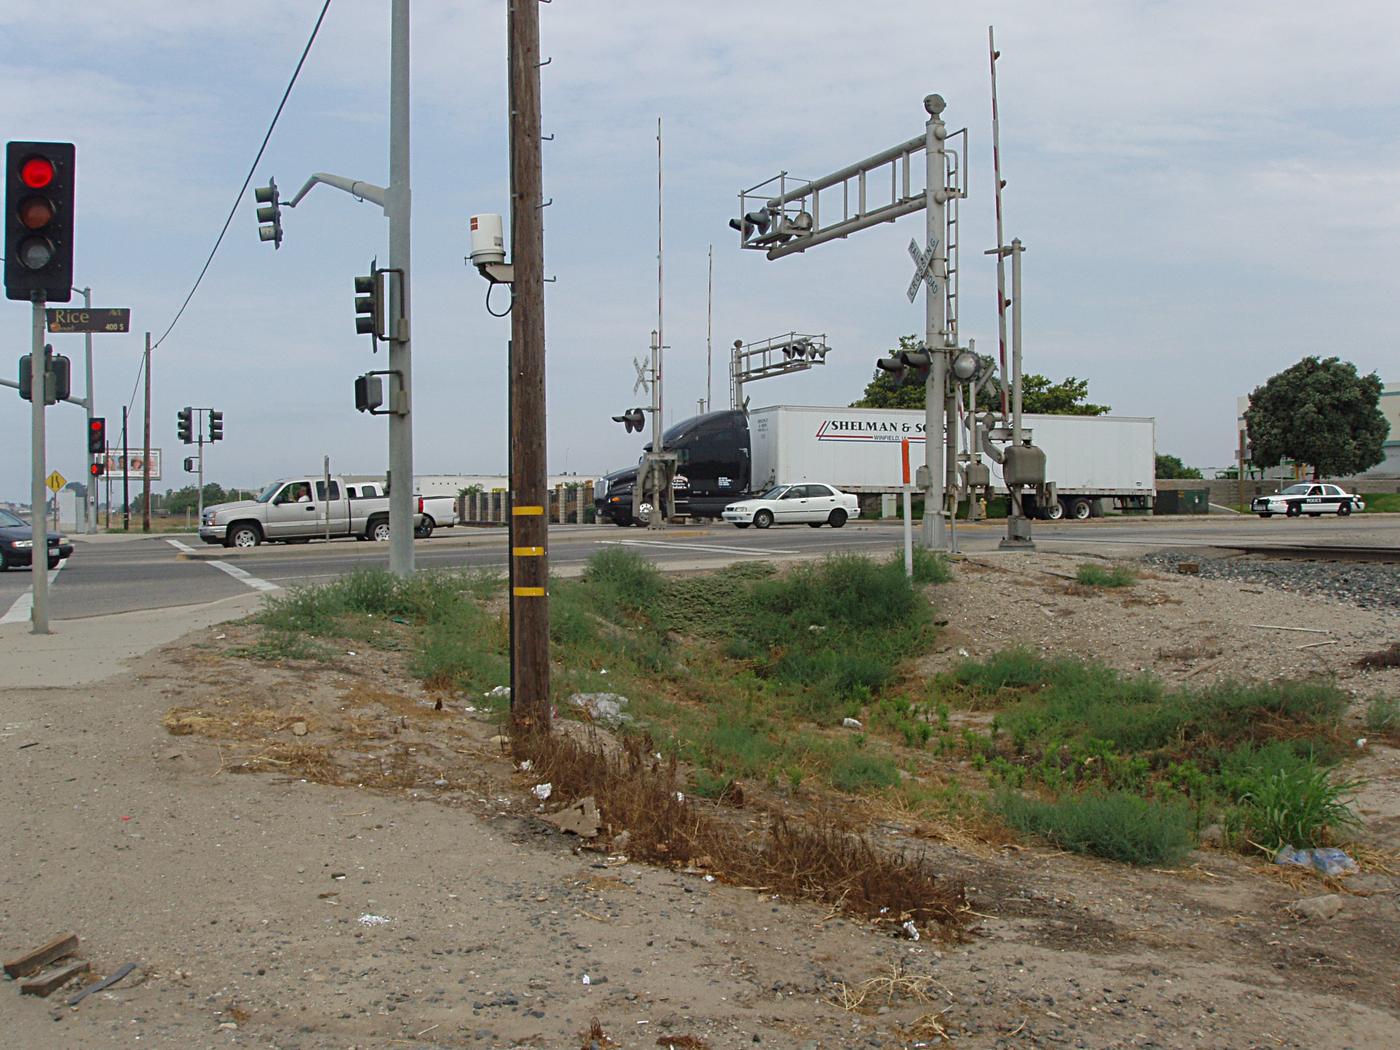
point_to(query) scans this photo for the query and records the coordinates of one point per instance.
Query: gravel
(1368, 585)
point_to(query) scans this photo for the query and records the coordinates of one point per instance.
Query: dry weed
(638, 791)
(896, 986)
(1389, 657)
(594, 1038)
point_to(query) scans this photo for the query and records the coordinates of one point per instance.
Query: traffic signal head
(632, 419)
(269, 213)
(185, 425)
(369, 306)
(39, 221)
(189, 465)
(754, 221)
(216, 425)
(97, 435)
(97, 468)
(369, 393)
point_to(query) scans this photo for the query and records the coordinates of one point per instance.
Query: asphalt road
(115, 574)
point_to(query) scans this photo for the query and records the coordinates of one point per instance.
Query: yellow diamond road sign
(56, 481)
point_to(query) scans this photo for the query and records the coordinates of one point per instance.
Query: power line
(252, 168)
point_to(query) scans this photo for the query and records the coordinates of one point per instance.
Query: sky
(1207, 193)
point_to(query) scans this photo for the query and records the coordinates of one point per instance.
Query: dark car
(16, 543)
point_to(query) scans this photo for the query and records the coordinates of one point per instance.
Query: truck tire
(837, 519)
(243, 536)
(1053, 511)
(378, 530)
(1081, 509)
(763, 519)
(424, 529)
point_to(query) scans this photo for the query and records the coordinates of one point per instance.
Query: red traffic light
(36, 172)
(96, 469)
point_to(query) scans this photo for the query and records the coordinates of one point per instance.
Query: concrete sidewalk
(89, 649)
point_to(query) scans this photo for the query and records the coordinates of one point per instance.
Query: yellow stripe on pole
(528, 592)
(527, 552)
(526, 512)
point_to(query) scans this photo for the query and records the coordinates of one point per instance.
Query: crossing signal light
(632, 419)
(189, 465)
(369, 306)
(57, 377)
(185, 426)
(97, 468)
(269, 213)
(39, 221)
(909, 367)
(97, 435)
(216, 425)
(754, 221)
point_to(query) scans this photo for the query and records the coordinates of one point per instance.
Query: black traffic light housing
(189, 465)
(269, 213)
(97, 468)
(185, 425)
(369, 393)
(57, 377)
(369, 305)
(97, 435)
(910, 367)
(632, 419)
(216, 425)
(39, 221)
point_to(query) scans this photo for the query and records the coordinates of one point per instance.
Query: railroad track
(1315, 552)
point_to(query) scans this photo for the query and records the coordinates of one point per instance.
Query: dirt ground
(423, 904)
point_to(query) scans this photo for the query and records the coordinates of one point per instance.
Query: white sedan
(1308, 498)
(817, 505)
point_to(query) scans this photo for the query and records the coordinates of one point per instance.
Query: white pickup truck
(436, 512)
(299, 509)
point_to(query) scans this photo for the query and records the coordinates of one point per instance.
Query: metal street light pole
(934, 534)
(397, 206)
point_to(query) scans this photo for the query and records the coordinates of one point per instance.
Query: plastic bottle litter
(542, 791)
(1327, 860)
(373, 920)
(910, 930)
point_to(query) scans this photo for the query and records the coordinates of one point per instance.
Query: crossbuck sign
(923, 268)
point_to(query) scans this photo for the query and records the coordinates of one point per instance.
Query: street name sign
(89, 319)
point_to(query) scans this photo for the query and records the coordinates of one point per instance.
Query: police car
(1309, 498)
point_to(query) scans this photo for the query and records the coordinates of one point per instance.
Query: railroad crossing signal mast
(656, 474)
(775, 356)
(784, 215)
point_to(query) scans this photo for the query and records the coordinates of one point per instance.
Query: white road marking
(714, 548)
(241, 575)
(24, 604)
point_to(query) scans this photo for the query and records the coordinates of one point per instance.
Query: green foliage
(1302, 806)
(1117, 825)
(929, 566)
(1171, 467)
(1069, 397)
(855, 770)
(623, 580)
(1320, 412)
(1382, 502)
(1383, 714)
(1091, 575)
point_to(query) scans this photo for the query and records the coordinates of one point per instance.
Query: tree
(1038, 394)
(1320, 412)
(1172, 467)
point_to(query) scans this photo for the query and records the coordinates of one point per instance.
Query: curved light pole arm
(355, 187)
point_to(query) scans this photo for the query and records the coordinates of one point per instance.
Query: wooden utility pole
(529, 600)
(146, 448)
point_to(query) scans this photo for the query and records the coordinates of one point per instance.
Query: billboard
(135, 464)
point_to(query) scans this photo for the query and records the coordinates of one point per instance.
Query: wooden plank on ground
(29, 962)
(54, 979)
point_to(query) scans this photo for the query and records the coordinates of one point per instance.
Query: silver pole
(1016, 250)
(397, 206)
(38, 524)
(87, 362)
(934, 533)
(709, 331)
(660, 328)
(200, 446)
(1001, 243)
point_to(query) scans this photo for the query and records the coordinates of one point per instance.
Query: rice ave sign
(89, 319)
